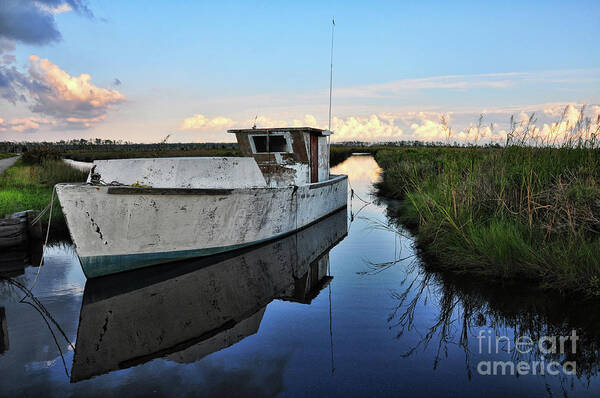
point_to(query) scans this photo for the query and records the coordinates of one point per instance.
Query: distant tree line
(99, 144)
(106, 145)
(414, 143)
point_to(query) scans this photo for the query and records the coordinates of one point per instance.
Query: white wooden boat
(134, 213)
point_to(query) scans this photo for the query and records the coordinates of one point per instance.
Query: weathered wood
(333, 180)
(34, 231)
(16, 229)
(13, 232)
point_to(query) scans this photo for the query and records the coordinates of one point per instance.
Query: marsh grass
(24, 187)
(516, 212)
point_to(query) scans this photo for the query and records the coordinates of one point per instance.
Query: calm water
(319, 313)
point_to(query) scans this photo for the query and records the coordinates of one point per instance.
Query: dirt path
(6, 163)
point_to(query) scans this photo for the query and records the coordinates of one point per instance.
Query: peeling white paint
(208, 172)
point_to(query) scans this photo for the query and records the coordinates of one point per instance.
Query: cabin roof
(311, 130)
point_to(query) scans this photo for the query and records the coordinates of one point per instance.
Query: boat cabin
(287, 155)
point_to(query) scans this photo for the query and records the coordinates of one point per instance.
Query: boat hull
(116, 229)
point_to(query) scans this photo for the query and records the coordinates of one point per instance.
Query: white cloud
(74, 100)
(462, 127)
(70, 91)
(23, 125)
(371, 128)
(57, 9)
(201, 122)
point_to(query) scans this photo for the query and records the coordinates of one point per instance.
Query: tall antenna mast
(331, 71)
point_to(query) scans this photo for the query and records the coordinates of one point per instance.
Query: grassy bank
(509, 213)
(24, 187)
(4, 155)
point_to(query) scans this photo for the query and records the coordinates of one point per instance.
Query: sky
(141, 70)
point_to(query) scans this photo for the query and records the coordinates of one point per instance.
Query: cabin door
(314, 158)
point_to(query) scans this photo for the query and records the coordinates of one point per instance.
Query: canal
(346, 307)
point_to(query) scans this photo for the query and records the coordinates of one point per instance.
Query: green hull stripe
(96, 266)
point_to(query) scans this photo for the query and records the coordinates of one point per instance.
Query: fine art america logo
(547, 346)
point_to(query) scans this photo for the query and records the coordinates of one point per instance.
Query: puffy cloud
(6, 45)
(308, 121)
(32, 21)
(56, 9)
(218, 124)
(69, 91)
(428, 131)
(550, 124)
(73, 99)
(572, 122)
(12, 83)
(569, 114)
(201, 122)
(83, 122)
(371, 128)
(23, 125)
(265, 121)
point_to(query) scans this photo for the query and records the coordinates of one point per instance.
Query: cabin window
(271, 143)
(260, 143)
(277, 143)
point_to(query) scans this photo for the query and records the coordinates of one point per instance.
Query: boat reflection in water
(13, 261)
(198, 307)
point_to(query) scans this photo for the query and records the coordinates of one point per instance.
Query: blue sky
(229, 61)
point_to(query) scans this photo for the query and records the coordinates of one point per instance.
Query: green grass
(4, 155)
(509, 213)
(24, 187)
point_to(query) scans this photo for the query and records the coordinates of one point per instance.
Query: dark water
(319, 313)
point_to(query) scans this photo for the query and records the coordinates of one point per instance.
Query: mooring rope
(37, 275)
(39, 216)
(353, 194)
(352, 214)
(43, 311)
(62, 357)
